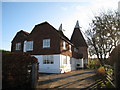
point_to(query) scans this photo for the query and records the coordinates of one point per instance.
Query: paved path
(73, 79)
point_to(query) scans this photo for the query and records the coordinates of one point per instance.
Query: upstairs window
(48, 59)
(64, 45)
(75, 50)
(18, 46)
(70, 48)
(46, 43)
(29, 45)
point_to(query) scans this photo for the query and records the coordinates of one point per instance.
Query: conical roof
(60, 28)
(77, 25)
(77, 38)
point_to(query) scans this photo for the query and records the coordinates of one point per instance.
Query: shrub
(16, 69)
(92, 66)
(101, 71)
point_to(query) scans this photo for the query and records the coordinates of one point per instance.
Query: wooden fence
(112, 70)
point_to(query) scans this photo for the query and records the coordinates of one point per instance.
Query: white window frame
(46, 43)
(18, 46)
(24, 49)
(29, 45)
(65, 60)
(70, 48)
(48, 59)
(64, 45)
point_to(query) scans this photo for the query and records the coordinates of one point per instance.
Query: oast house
(54, 51)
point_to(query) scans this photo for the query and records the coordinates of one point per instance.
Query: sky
(25, 14)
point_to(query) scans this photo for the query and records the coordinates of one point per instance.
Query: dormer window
(64, 45)
(46, 43)
(18, 46)
(29, 45)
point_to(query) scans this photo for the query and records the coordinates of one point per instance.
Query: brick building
(55, 52)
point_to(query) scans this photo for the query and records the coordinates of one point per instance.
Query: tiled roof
(26, 33)
(77, 38)
(59, 32)
(21, 35)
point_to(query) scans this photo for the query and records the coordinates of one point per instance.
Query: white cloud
(64, 8)
(85, 14)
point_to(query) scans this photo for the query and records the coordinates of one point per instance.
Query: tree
(104, 34)
(4, 50)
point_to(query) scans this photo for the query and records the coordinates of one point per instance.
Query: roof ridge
(24, 32)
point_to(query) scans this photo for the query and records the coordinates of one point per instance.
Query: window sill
(46, 48)
(28, 50)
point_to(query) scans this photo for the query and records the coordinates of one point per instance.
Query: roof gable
(20, 36)
(45, 25)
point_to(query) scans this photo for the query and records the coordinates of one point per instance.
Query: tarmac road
(74, 79)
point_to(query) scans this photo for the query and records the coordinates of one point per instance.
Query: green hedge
(92, 66)
(16, 70)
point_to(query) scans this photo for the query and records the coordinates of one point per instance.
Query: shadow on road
(51, 80)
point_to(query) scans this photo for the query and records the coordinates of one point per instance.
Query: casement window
(75, 50)
(70, 61)
(24, 47)
(70, 48)
(46, 43)
(48, 59)
(64, 45)
(65, 60)
(18, 46)
(29, 45)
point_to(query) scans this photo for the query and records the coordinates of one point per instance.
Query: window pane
(64, 45)
(65, 60)
(48, 58)
(18, 46)
(46, 43)
(29, 45)
(70, 48)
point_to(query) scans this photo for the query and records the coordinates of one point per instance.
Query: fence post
(34, 75)
(117, 75)
(117, 68)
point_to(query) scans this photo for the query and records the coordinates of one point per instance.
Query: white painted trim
(24, 47)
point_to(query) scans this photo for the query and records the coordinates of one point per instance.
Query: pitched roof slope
(26, 33)
(58, 32)
(21, 35)
(77, 38)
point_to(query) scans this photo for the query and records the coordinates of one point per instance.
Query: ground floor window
(70, 61)
(65, 60)
(48, 59)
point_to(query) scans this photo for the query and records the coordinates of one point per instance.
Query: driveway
(73, 79)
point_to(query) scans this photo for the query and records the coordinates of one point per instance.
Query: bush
(92, 66)
(101, 71)
(16, 69)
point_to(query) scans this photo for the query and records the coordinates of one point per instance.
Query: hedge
(16, 70)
